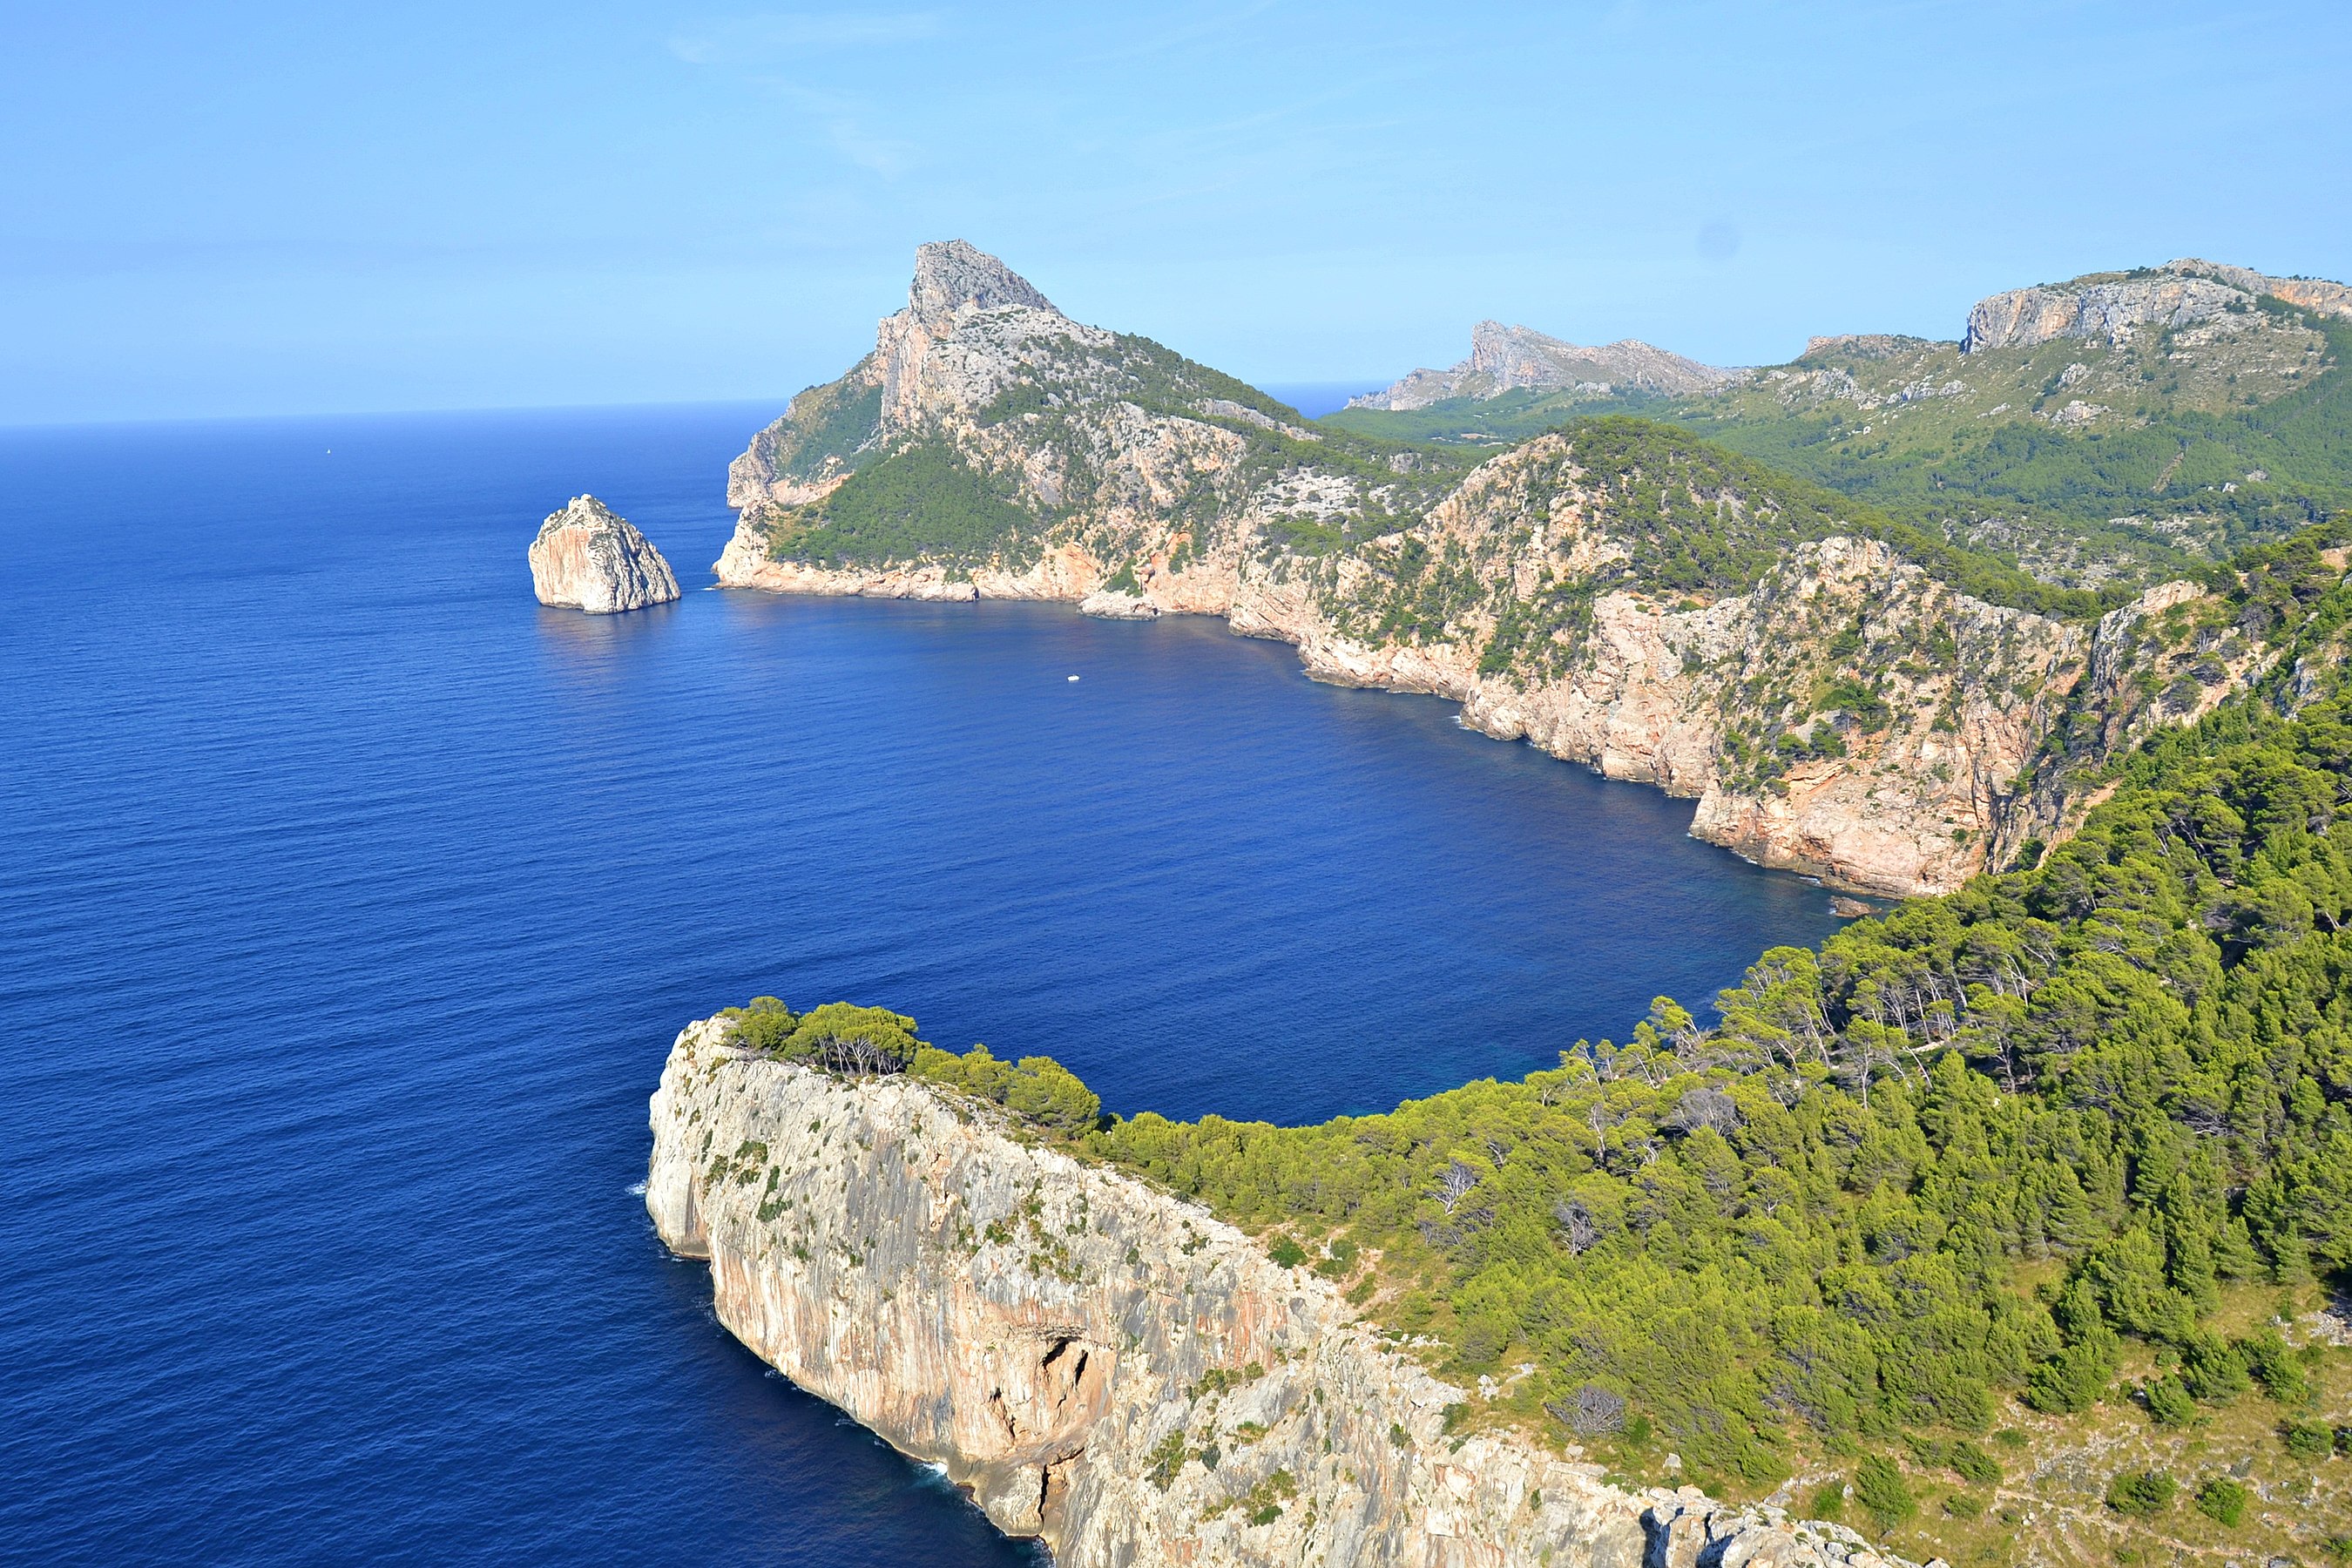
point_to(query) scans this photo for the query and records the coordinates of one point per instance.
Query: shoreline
(930, 586)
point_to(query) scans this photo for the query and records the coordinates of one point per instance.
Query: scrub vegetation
(2081, 461)
(2062, 1158)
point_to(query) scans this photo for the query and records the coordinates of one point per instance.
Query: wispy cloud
(843, 121)
(771, 39)
(768, 52)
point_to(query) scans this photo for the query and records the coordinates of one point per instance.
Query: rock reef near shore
(587, 558)
(1107, 1367)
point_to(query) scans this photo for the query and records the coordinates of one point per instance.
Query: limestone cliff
(2109, 307)
(1506, 359)
(586, 558)
(1104, 1365)
(1619, 595)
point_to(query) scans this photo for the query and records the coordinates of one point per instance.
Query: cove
(353, 901)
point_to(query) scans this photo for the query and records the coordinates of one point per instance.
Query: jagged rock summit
(972, 327)
(587, 558)
(2109, 305)
(951, 275)
(1505, 358)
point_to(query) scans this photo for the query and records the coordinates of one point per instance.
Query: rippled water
(351, 901)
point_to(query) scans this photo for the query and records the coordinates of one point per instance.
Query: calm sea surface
(351, 900)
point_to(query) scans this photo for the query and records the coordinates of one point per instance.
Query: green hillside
(2078, 460)
(928, 495)
(2030, 1178)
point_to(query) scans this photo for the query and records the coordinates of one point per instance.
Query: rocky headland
(1107, 1367)
(1506, 358)
(1612, 594)
(587, 558)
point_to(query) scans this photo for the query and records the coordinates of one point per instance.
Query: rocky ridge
(586, 558)
(2116, 428)
(1836, 710)
(1506, 358)
(1106, 1366)
(2110, 306)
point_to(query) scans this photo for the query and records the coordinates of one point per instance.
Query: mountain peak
(1504, 357)
(951, 274)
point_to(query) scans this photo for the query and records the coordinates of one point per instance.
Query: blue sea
(352, 900)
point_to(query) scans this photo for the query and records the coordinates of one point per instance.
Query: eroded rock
(1103, 1364)
(587, 558)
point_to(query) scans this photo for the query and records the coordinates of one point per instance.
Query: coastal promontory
(1104, 1364)
(588, 558)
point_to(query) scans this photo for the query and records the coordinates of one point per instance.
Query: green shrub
(2275, 1366)
(765, 1025)
(1287, 1252)
(1974, 1464)
(1828, 1501)
(2222, 1501)
(1165, 1460)
(2307, 1440)
(1038, 1089)
(2214, 1370)
(2076, 1378)
(1879, 1487)
(2169, 1402)
(2143, 1494)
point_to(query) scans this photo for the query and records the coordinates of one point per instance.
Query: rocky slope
(1104, 1365)
(1506, 359)
(2111, 307)
(586, 558)
(1614, 595)
(2118, 428)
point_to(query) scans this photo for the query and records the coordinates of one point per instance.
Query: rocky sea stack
(586, 558)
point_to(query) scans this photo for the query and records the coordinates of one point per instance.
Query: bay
(352, 900)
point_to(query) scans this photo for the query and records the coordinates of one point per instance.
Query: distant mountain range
(1512, 359)
(2112, 427)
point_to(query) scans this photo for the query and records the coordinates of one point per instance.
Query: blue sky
(218, 209)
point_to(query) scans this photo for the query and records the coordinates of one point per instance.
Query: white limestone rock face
(586, 558)
(1068, 1342)
(2109, 307)
(1506, 358)
(1107, 603)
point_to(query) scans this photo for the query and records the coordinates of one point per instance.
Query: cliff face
(2109, 307)
(1618, 598)
(1104, 1365)
(1505, 358)
(586, 558)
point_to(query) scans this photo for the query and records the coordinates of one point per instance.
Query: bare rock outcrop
(2110, 306)
(1505, 358)
(1105, 1365)
(586, 558)
(1115, 604)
